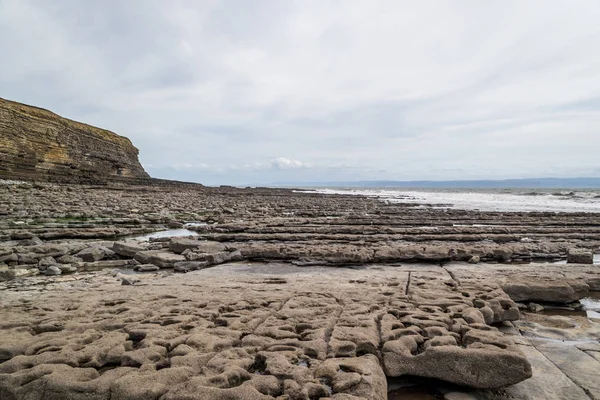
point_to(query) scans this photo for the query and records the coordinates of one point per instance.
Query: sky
(263, 91)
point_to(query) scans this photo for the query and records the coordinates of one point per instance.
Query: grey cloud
(349, 89)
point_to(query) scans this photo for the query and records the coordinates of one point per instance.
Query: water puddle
(562, 262)
(166, 234)
(588, 307)
(413, 393)
(192, 224)
(413, 389)
(591, 305)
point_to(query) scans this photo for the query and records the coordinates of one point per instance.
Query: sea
(516, 200)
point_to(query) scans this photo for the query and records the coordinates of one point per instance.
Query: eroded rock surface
(259, 331)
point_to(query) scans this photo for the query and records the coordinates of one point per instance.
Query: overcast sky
(237, 92)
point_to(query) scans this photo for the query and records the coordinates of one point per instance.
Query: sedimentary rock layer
(36, 144)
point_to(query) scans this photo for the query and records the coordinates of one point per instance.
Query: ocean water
(553, 200)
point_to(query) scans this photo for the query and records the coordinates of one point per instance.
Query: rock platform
(277, 294)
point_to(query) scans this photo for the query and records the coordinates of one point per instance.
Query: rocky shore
(283, 294)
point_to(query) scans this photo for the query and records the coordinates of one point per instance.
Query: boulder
(482, 366)
(218, 258)
(46, 262)
(474, 260)
(52, 270)
(580, 256)
(11, 258)
(95, 253)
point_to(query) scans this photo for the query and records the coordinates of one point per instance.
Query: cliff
(36, 144)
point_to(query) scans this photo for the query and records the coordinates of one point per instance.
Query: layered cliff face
(36, 144)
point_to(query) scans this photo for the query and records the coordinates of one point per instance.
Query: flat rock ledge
(258, 331)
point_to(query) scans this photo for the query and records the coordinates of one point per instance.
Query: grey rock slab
(552, 291)
(580, 256)
(127, 248)
(146, 268)
(68, 259)
(547, 383)
(159, 258)
(589, 346)
(594, 354)
(578, 365)
(99, 265)
(179, 245)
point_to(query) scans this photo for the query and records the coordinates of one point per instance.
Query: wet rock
(534, 307)
(185, 266)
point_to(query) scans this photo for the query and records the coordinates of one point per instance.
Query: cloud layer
(234, 92)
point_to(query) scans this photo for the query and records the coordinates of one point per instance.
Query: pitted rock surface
(259, 331)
